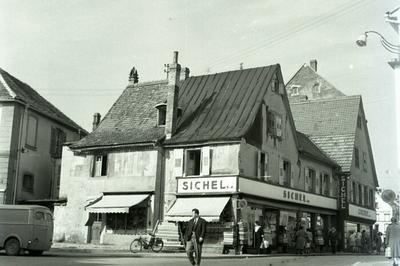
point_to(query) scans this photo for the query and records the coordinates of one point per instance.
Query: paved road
(90, 260)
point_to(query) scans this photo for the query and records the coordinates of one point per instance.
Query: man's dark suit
(193, 240)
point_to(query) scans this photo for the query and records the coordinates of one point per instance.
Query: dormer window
(162, 114)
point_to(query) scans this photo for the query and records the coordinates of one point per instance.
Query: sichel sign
(206, 184)
(343, 202)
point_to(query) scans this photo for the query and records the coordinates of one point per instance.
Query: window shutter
(205, 160)
(331, 186)
(178, 162)
(280, 172)
(53, 142)
(306, 178)
(266, 169)
(259, 174)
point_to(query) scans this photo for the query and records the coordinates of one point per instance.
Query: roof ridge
(148, 83)
(235, 70)
(346, 97)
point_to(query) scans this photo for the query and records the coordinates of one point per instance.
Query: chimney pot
(133, 76)
(175, 59)
(96, 120)
(313, 64)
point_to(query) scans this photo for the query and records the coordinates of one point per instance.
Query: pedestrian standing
(352, 241)
(283, 239)
(378, 243)
(364, 242)
(333, 238)
(309, 238)
(300, 240)
(194, 236)
(319, 239)
(393, 240)
(258, 236)
(358, 242)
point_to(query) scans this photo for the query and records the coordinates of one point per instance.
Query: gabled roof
(307, 79)
(132, 119)
(330, 124)
(310, 149)
(217, 107)
(12, 89)
(221, 106)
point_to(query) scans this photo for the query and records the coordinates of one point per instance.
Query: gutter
(111, 146)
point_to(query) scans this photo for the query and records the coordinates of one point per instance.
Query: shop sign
(207, 185)
(343, 203)
(270, 191)
(361, 212)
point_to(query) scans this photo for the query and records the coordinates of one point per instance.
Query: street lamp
(393, 18)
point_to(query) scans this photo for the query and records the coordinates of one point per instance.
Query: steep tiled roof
(13, 89)
(308, 80)
(307, 147)
(221, 106)
(132, 119)
(330, 124)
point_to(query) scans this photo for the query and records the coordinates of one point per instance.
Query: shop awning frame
(116, 203)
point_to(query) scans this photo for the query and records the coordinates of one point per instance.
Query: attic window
(161, 115)
(179, 113)
(294, 90)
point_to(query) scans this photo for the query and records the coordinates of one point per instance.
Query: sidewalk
(112, 250)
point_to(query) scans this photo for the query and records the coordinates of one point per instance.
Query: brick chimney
(96, 120)
(174, 73)
(184, 73)
(313, 64)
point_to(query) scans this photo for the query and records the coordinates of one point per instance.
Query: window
(364, 161)
(359, 122)
(286, 173)
(275, 84)
(135, 221)
(354, 192)
(316, 89)
(193, 160)
(261, 166)
(366, 192)
(39, 216)
(356, 158)
(58, 138)
(294, 90)
(100, 165)
(49, 217)
(326, 185)
(271, 124)
(162, 114)
(28, 182)
(371, 198)
(360, 194)
(31, 132)
(311, 180)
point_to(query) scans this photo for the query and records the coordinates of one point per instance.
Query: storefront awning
(116, 203)
(210, 208)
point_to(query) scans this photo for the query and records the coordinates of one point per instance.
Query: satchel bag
(388, 252)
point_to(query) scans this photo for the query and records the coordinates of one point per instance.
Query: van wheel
(12, 247)
(35, 252)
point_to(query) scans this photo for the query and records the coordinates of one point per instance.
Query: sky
(78, 53)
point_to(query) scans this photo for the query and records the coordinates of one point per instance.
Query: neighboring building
(308, 84)
(224, 143)
(384, 214)
(32, 132)
(337, 125)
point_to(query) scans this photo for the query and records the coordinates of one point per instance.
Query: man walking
(194, 236)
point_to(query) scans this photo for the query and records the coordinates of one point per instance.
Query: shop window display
(288, 219)
(133, 222)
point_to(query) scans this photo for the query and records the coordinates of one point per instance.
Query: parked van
(25, 227)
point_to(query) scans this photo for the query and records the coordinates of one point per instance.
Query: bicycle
(156, 244)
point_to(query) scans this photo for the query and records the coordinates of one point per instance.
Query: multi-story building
(338, 126)
(224, 143)
(32, 132)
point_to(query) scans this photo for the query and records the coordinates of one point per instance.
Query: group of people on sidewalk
(305, 242)
(360, 242)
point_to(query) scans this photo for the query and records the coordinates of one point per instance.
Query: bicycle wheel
(136, 246)
(157, 245)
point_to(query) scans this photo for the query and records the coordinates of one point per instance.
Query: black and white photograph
(214, 132)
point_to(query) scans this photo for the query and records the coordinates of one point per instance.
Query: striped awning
(116, 203)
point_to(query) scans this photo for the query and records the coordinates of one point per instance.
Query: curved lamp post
(393, 18)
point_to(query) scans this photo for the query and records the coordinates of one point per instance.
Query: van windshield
(39, 216)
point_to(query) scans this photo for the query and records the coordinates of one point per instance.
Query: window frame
(161, 108)
(31, 187)
(295, 87)
(356, 157)
(104, 164)
(186, 156)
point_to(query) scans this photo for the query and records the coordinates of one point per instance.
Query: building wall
(128, 171)
(6, 125)
(224, 161)
(361, 175)
(384, 213)
(39, 161)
